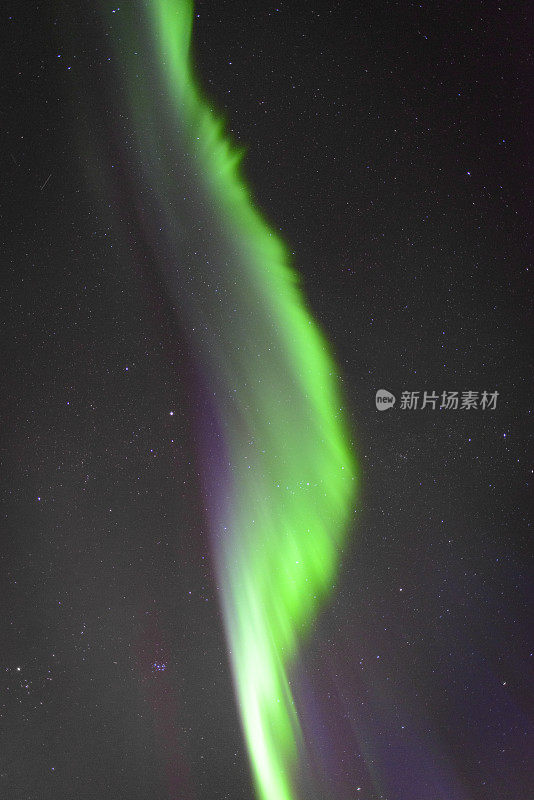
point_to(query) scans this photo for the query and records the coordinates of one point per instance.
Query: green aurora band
(290, 471)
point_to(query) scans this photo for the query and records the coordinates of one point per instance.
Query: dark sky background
(388, 142)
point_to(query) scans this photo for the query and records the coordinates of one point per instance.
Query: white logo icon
(384, 400)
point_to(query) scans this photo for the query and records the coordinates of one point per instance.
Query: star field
(387, 145)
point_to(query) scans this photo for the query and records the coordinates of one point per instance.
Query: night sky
(387, 144)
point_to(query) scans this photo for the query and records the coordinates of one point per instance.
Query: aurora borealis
(288, 469)
(226, 575)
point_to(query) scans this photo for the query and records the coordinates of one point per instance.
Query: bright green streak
(292, 469)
